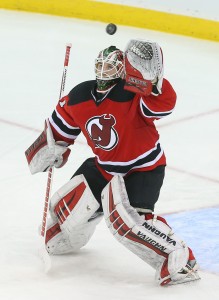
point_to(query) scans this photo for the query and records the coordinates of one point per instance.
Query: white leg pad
(73, 217)
(73, 203)
(151, 240)
(63, 242)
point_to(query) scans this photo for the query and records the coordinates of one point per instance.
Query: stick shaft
(50, 172)
(46, 201)
(66, 61)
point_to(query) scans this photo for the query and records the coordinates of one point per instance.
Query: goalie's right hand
(45, 152)
(143, 67)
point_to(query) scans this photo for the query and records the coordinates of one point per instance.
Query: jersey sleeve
(62, 124)
(157, 107)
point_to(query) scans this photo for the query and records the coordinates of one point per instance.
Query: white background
(31, 63)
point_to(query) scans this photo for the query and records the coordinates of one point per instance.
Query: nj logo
(102, 132)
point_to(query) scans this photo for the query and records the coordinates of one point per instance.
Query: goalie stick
(42, 251)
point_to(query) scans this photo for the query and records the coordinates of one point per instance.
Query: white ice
(31, 63)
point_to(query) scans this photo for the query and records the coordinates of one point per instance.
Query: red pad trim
(150, 216)
(191, 255)
(125, 229)
(40, 142)
(138, 85)
(164, 271)
(135, 82)
(71, 199)
(51, 232)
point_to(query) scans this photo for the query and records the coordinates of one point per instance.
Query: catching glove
(143, 67)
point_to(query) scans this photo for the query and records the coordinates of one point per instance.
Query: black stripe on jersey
(86, 91)
(125, 169)
(149, 113)
(81, 92)
(63, 127)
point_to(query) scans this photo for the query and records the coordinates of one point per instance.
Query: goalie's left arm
(51, 147)
(156, 107)
(144, 76)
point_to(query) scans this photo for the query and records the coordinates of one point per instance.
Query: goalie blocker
(45, 152)
(148, 236)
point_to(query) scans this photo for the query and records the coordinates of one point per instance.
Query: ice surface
(200, 229)
(31, 63)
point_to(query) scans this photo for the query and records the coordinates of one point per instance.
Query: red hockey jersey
(119, 127)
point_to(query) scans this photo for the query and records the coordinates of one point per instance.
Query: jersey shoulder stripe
(62, 127)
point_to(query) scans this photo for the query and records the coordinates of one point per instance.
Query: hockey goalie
(122, 182)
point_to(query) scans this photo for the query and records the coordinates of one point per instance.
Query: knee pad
(74, 217)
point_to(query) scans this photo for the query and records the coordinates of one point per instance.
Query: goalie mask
(109, 68)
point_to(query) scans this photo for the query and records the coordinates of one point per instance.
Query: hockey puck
(111, 28)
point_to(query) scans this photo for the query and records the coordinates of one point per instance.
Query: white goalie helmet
(109, 68)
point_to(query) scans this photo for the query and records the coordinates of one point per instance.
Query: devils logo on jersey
(102, 132)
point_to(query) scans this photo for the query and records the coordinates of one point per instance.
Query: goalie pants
(143, 188)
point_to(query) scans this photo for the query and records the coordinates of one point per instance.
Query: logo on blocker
(102, 132)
